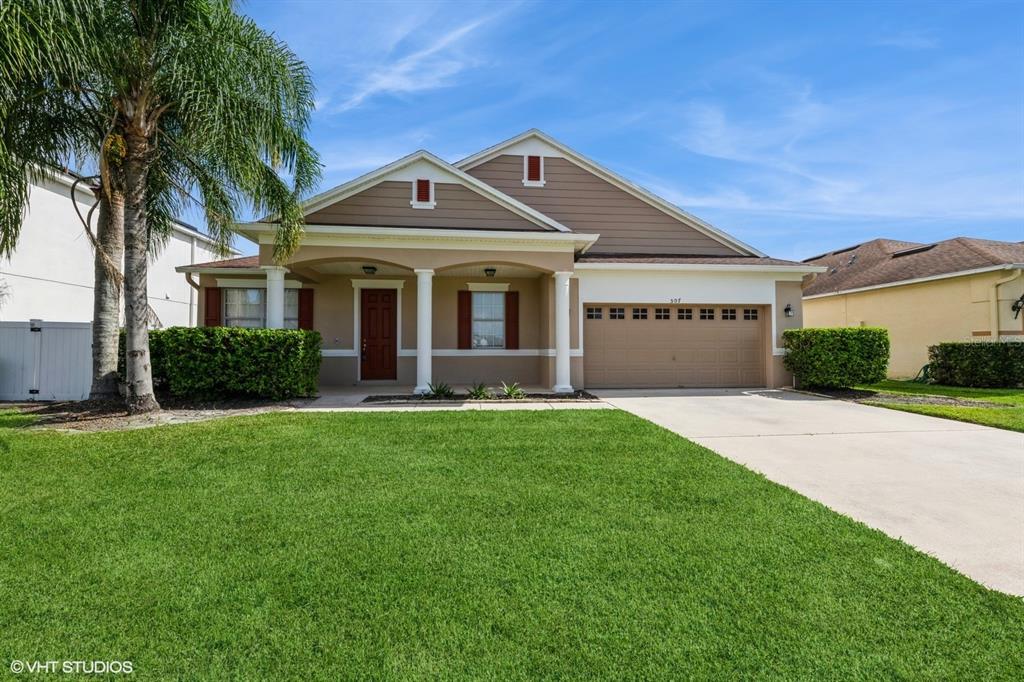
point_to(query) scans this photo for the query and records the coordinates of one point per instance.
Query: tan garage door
(699, 345)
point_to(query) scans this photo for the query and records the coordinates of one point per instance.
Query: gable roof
(533, 141)
(887, 262)
(395, 170)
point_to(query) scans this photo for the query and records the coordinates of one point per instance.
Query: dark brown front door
(377, 324)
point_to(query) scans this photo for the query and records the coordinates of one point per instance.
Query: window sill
(533, 183)
(422, 204)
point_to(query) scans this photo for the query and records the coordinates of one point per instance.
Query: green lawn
(1000, 416)
(478, 544)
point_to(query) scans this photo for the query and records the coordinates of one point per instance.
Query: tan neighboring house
(960, 289)
(524, 262)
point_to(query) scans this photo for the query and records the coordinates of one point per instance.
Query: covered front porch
(477, 308)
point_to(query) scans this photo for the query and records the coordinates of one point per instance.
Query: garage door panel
(673, 352)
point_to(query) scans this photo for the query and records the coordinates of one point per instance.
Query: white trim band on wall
(487, 286)
(459, 352)
(254, 283)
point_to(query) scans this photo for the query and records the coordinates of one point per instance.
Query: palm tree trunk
(139, 394)
(106, 310)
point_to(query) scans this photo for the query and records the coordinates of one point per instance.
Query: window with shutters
(533, 171)
(248, 308)
(685, 314)
(423, 194)
(488, 326)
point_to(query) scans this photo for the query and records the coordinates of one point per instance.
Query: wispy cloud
(427, 69)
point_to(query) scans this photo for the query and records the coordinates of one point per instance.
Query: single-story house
(524, 262)
(959, 289)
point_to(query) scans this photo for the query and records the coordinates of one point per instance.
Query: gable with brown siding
(387, 204)
(584, 202)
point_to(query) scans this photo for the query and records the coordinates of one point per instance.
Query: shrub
(513, 391)
(479, 392)
(983, 364)
(441, 391)
(233, 362)
(837, 357)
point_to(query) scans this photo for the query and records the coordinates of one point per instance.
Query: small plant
(441, 391)
(480, 392)
(512, 391)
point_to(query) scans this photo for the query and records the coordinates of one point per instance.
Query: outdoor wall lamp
(490, 272)
(370, 269)
(788, 310)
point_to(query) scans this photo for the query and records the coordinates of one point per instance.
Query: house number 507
(675, 300)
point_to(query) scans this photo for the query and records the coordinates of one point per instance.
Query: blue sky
(797, 127)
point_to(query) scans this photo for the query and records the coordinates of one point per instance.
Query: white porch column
(424, 328)
(275, 296)
(563, 383)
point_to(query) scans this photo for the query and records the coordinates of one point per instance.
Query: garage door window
(639, 313)
(750, 313)
(593, 313)
(488, 319)
(686, 313)
(616, 313)
(707, 313)
(728, 313)
(662, 314)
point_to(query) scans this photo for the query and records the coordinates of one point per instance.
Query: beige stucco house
(955, 290)
(524, 262)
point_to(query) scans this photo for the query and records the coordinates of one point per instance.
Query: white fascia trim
(426, 238)
(372, 178)
(920, 280)
(254, 283)
(219, 271)
(615, 179)
(187, 230)
(700, 267)
(487, 286)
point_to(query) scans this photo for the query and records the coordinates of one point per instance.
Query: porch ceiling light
(788, 310)
(490, 272)
(370, 269)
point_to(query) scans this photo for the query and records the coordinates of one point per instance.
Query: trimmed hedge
(982, 364)
(233, 362)
(837, 357)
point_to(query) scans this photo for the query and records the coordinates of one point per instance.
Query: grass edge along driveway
(483, 544)
(1006, 411)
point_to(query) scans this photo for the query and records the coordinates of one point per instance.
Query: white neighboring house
(50, 275)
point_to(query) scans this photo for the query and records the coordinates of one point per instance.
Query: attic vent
(422, 194)
(913, 250)
(533, 171)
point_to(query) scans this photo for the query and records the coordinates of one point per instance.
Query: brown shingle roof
(681, 259)
(885, 261)
(243, 262)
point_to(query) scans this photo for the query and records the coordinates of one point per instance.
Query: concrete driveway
(953, 490)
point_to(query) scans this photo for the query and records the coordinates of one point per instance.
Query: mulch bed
(861, 396)
(111, 415)
(575, 397)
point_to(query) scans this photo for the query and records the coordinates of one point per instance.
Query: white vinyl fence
(45, 360)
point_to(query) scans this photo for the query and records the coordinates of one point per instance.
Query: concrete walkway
(951, 489)
(350, 399)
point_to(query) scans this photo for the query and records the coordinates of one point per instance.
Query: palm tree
(202, 104)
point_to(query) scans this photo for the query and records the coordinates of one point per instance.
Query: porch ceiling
(503, 270)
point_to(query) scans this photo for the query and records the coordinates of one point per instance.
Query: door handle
(363, 352)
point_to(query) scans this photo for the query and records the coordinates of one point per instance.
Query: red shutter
(423, 191)
(211, 305)
(512, 319)
(305, 308)
(465, 319)
(533, 168)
